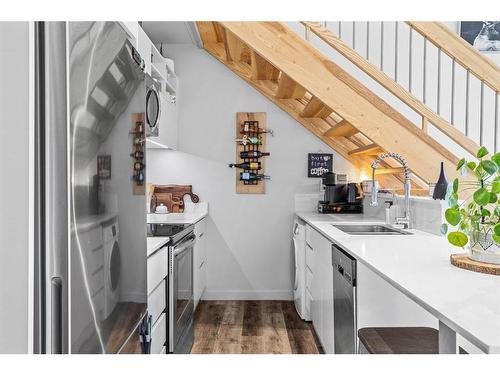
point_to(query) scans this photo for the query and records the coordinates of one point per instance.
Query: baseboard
(281, 295)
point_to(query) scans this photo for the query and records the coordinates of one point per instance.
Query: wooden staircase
(326, 100)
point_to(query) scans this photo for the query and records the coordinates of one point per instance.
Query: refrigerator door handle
(56, 316)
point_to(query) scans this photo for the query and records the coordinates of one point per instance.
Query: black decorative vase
(441, 185)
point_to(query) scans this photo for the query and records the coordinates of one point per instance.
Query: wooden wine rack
(250, 187)
(138, 118)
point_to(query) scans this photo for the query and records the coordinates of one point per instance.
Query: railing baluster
(396, 52)
(453, 91)
(354, 35)
(424, 85)
(409, 60)
(368, 40)
(439, 83)
(496, 121)
(382, 45)
(481, 115)
(467, 103)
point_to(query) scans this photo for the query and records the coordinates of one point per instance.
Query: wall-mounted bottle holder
(250, 140)
(138, 154)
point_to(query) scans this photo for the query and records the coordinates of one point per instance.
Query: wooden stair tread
(341, 129)
(397, 170)
(289, 89)
(372, 149)
(316, 108)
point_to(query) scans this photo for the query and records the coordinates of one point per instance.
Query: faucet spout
(374, 200)
(400, 221)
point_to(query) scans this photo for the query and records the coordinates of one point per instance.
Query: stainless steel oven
(181, 305)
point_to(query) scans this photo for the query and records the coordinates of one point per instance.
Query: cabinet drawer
(157, 268)
(157, 301)
(314, 238)
(200, 227)
(159, 335)
(96, 281)
(96, 259)
(309, 278)
(309, 256)
(90, 240)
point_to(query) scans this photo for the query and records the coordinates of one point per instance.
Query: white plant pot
(483, 248)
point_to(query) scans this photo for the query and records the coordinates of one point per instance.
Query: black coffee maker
(340, 196)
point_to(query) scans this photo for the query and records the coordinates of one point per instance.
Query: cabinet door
(316, 295)
(168, 122)
(325, 262)
(144, 49)
(199, 262)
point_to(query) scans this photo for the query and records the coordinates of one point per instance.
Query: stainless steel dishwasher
(344, 301)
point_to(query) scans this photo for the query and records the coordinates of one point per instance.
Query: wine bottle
(254, 165)
(247, 176)
(249, 140)
(253, 154)
(250, 127)
(139, 178)
(138, 166)
(137, 155)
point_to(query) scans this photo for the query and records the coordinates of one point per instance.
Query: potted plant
(475, 221)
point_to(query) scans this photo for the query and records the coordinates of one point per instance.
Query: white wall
(14, 189)
(248, 236)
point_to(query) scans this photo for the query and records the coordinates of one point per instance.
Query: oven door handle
(184, 246)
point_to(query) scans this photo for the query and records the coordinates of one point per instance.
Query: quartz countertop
(155, 243)
(419, 266)
(189, 217)
(86, 223)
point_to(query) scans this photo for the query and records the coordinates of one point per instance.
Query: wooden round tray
(463, 261)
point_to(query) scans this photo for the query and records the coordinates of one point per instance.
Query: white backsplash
(426, 213)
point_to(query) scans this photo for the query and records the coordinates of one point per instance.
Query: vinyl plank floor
(252, 327)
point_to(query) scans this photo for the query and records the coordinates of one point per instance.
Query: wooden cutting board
(463, 261)
(172, 196)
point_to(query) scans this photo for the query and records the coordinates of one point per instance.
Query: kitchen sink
(369, 229)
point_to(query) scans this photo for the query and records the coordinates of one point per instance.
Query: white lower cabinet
(319, 257)
(199, 261)
(157, 300)
(159, 335)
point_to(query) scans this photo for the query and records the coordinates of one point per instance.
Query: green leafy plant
(480, 211)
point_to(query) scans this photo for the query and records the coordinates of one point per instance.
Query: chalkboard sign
(317, 164)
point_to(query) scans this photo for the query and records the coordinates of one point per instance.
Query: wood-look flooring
(252, 327)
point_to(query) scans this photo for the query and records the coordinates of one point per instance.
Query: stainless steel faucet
(400, 221)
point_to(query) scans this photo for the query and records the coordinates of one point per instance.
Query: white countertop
(87, 223)
(419, 266)
(188, 217)
(154, 243)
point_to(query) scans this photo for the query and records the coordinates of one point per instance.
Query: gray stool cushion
(400, 340)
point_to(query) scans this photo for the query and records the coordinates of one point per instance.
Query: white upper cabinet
(132, 29)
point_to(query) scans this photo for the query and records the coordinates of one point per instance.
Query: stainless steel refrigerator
(90, 261)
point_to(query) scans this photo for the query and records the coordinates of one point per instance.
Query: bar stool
(398, 340)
